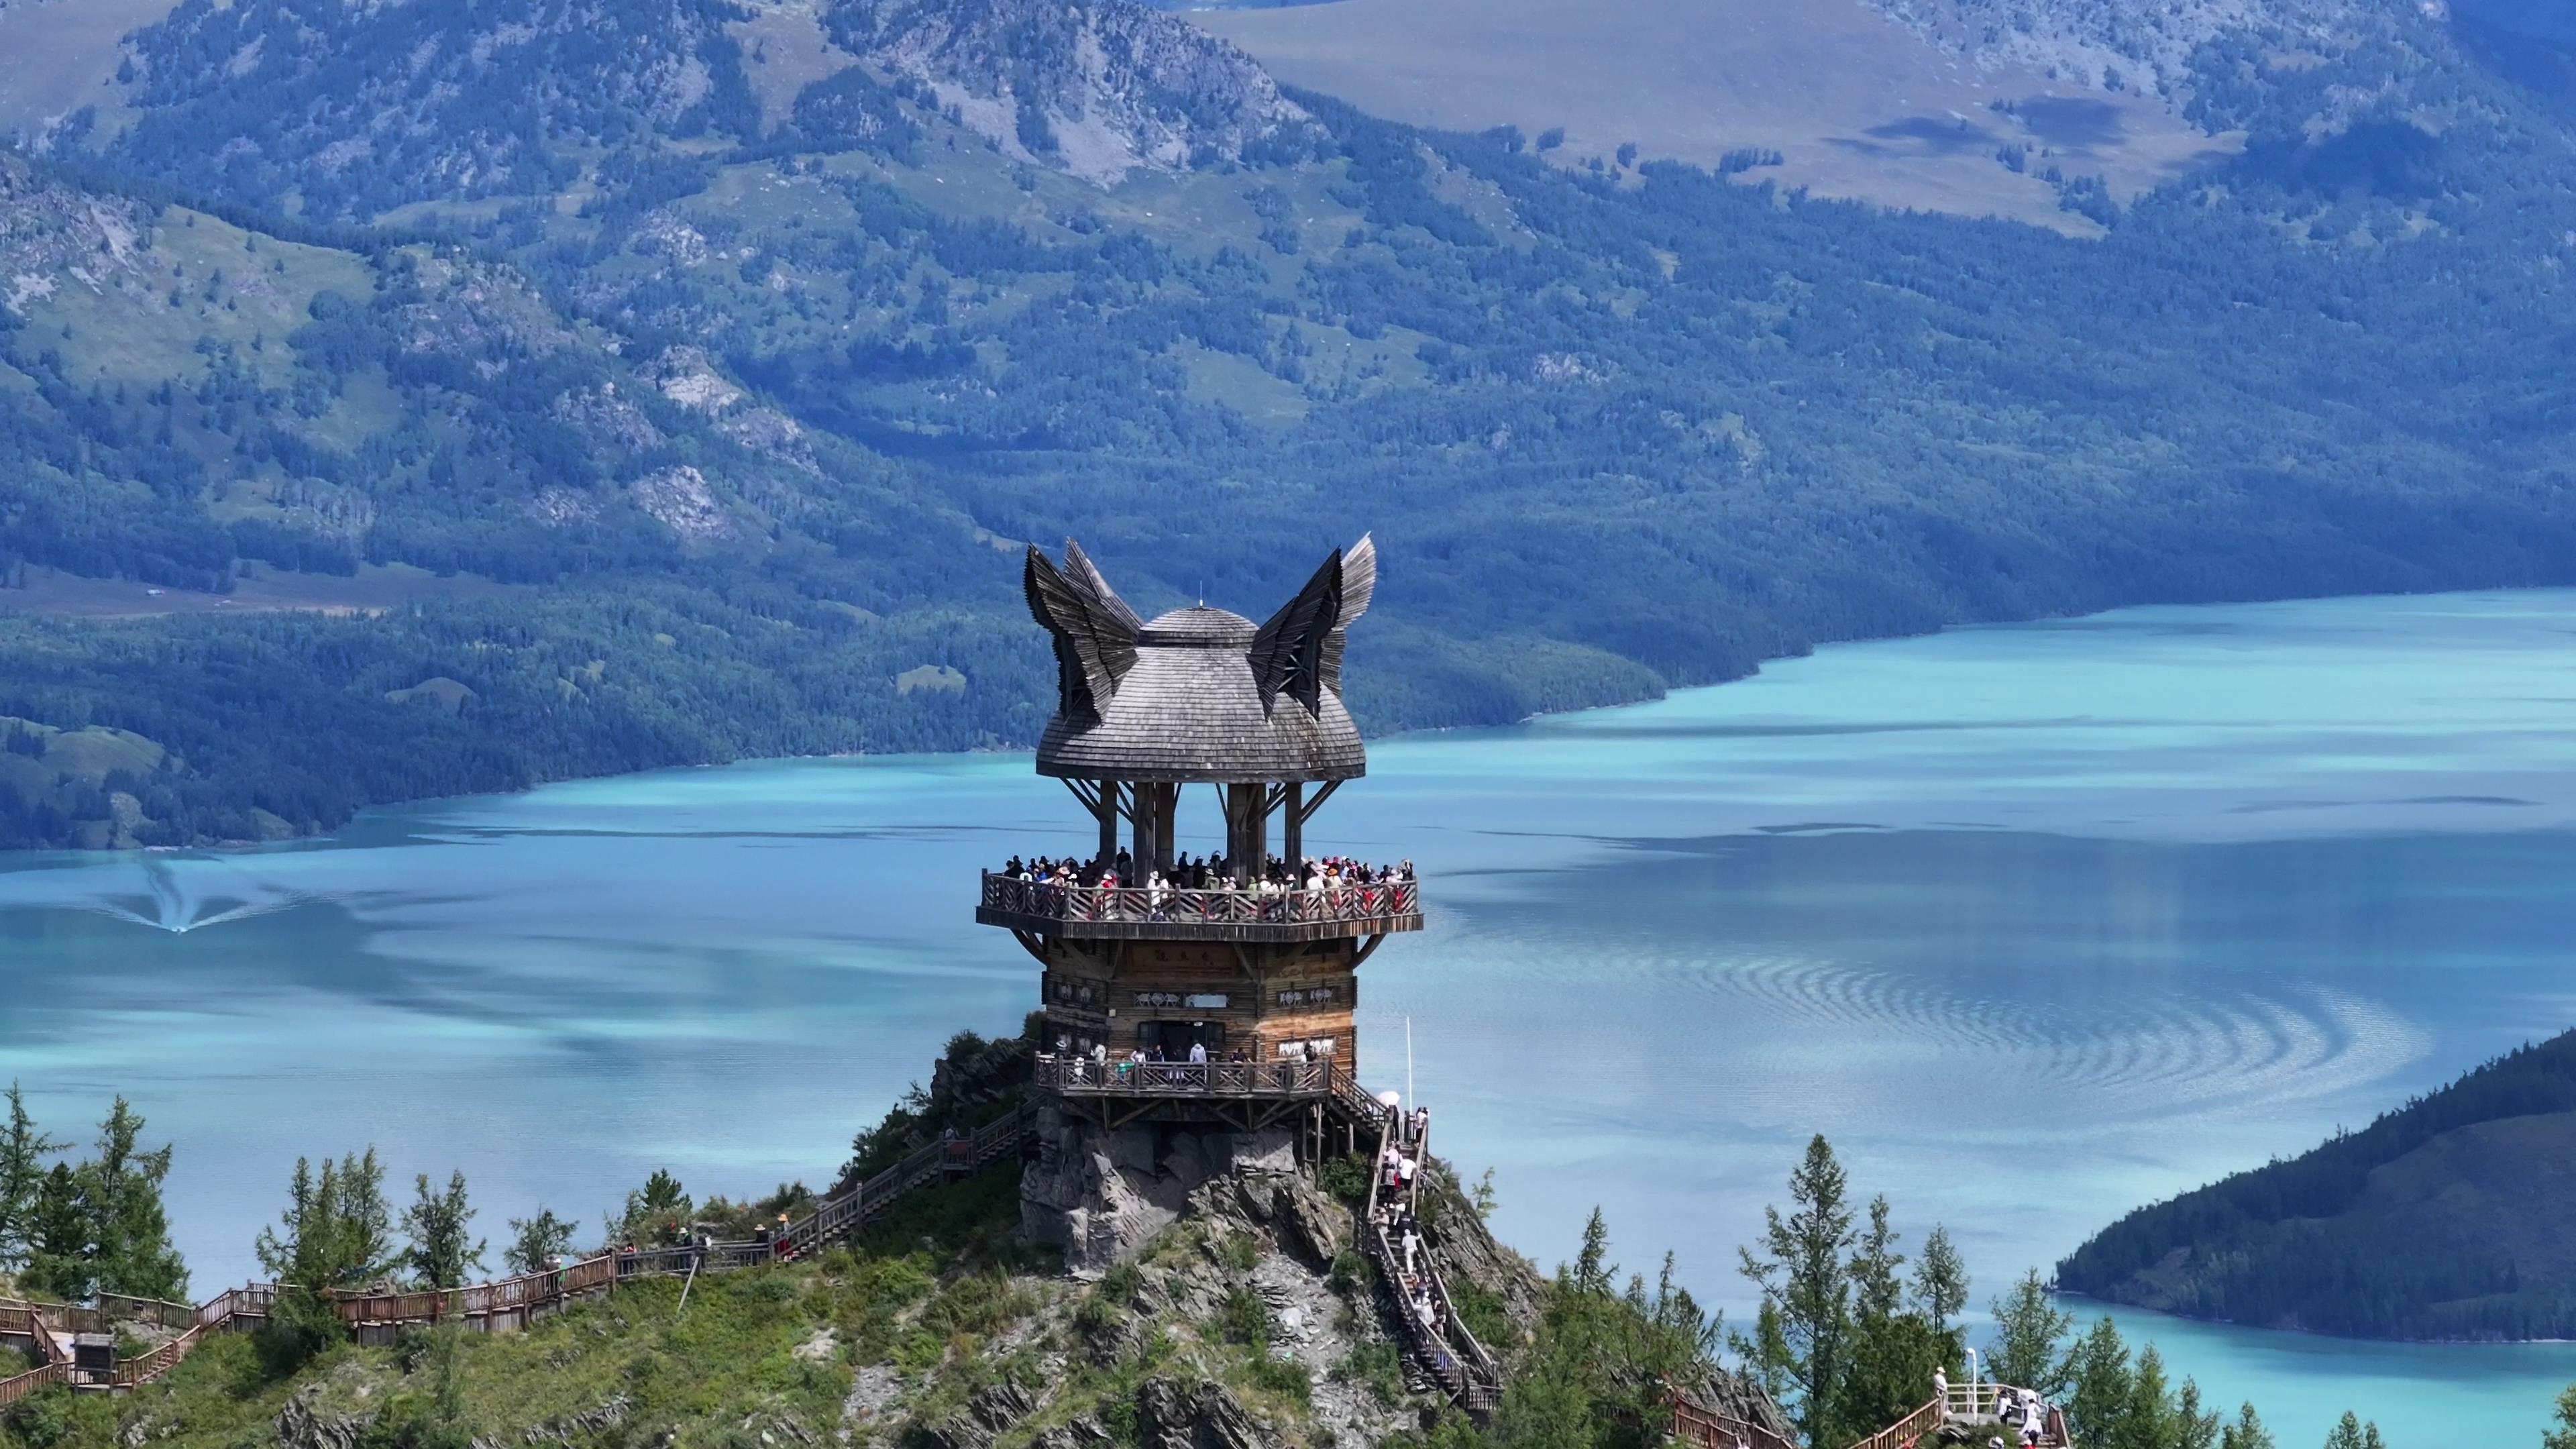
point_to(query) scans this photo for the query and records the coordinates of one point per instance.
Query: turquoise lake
(2035, 923)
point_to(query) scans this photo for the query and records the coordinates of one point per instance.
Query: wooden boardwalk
(507, 1303)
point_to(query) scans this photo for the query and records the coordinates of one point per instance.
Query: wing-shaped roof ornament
(1094, 630)
(1299, 652)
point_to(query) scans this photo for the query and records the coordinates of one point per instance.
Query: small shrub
(1243, 1318)
(919, 1351)
(39, 1420)
(1285, 1377)
(1122, 1282)
(1239, 1252)
(1376, 1365)
(1346, 1178)
(1118, 1416)
(1351, 1273)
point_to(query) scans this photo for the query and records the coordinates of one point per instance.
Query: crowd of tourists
(2021, 1410)
(1207, 873)
(1343, 886)
(1150, 1067)
(2025, 1410)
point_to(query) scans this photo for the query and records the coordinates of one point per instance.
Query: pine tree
(131, 1228)
(1893, 1355)
(2194, 1427)
(1941, 1280)
(2351, 1433)
(61, 1257)
(1806, 1285)
(2564, 1436)
(335, 1234)
(2028, 1330)
(23, 1151)
(536, 1241)
(441, 1249)
(1878, 1291)
(1604, 1360)
(2099, 1405)
(2150, 1420)
(2248, 1432)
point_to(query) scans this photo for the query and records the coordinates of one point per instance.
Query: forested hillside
(730, 352)
(2444, 1219)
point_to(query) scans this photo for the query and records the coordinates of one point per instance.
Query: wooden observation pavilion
(1236, 977)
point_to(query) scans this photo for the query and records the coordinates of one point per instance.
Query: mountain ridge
(753, 389)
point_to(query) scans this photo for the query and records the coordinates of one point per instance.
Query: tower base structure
(1100, 1193)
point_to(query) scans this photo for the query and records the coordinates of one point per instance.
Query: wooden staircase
(1445, 1355)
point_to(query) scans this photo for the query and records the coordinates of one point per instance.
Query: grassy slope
(936, 1306)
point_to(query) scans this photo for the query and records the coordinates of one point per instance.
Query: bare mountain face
(2120, 48)
(1096, 90)
(1961, 106)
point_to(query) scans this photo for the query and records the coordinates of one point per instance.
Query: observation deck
(1244, 1095)
(1237, 914)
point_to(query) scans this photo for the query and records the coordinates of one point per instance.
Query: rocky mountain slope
(590, 398)
(2442, 1220)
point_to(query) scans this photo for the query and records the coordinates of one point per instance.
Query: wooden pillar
(1143, 801)
(1167, 810)
(1108, 820)
(1292, 825)
(1247, 829)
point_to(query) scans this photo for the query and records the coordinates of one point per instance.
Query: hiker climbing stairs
(1440, 1350)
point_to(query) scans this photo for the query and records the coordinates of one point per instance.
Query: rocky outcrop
(1097, 90)
(1099, 1196)
(986, 1416)
(1201, 1416)
(305, 1424)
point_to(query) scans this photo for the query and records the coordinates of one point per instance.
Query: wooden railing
(1962, 1403)
(1909, 1431)
(839, 1216)
(1118, 1077)
(1708, 1429)
(14, 1389)
(32, 1321)
(159, 1312)
(1223, 907)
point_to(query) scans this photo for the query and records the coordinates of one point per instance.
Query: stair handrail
(1704, 1427)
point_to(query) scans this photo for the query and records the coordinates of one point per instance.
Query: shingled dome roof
(1199, 693)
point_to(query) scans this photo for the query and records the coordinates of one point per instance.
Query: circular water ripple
(2145, 1044)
